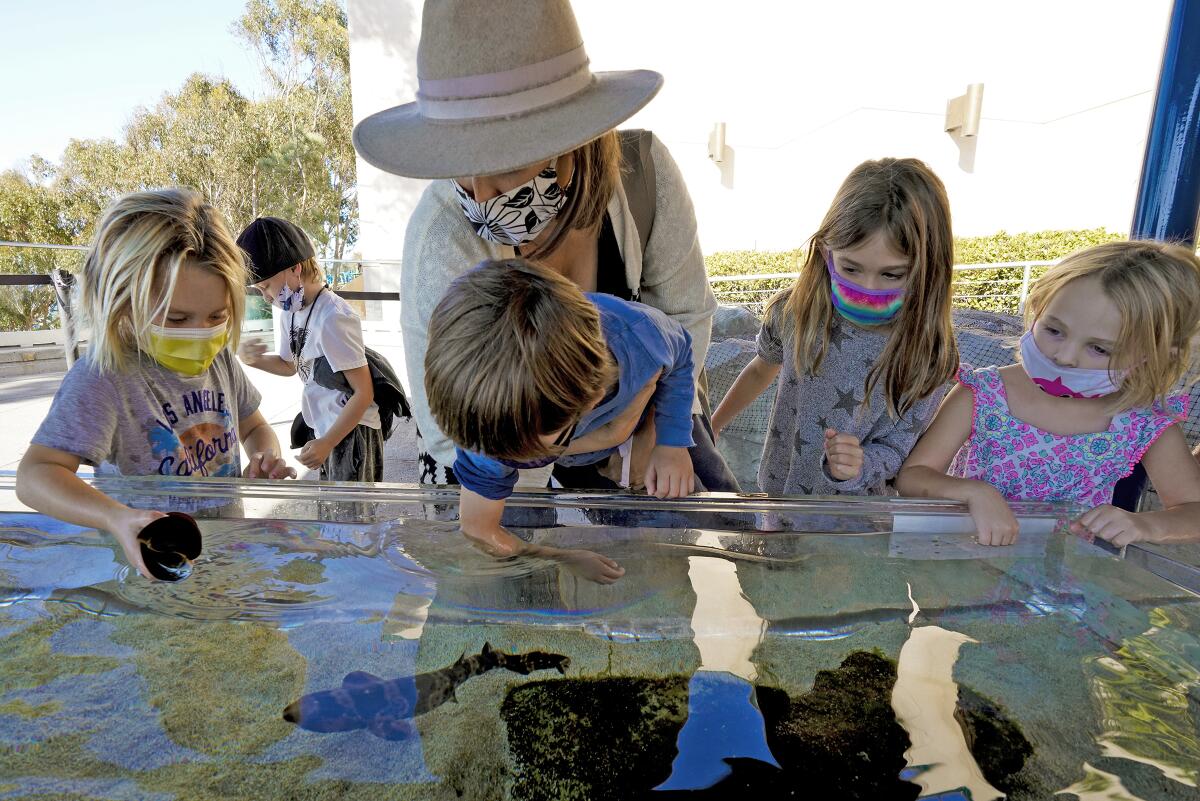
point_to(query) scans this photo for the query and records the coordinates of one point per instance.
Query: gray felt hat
(501, 84)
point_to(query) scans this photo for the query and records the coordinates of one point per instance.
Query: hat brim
(401, 141)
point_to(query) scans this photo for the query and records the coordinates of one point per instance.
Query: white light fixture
(962, 112)
(716, 143)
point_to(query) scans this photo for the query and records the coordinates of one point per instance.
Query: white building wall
(807, 90)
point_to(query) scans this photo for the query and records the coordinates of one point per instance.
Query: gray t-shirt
(151, 421)
(793, 460)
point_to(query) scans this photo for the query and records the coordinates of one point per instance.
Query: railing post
(64, 282)
(1025, 274)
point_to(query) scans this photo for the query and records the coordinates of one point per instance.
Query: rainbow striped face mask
(860, 305)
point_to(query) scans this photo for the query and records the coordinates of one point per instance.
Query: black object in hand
(169, 546)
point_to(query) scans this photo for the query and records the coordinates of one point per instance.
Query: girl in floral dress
(1109, 335)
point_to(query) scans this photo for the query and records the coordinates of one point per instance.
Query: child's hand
(314, 453)
(591, 566)
(268, 464)
(251, 351)
(995, 523)
(844, 455)
(669, 473)
(126, 527)
(1110, 523)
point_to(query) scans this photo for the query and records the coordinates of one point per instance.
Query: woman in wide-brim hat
(508, 110)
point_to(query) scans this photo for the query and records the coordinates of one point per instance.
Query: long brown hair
(593, 180)
(905, 199)
(1156, 288)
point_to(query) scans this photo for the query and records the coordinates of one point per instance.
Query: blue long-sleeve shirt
(643, 341)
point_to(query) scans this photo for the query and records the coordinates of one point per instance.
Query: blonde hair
(594, 178)
(515, 353)
(129, 275)
(311, 271)
(1156, 288)
(907, 201)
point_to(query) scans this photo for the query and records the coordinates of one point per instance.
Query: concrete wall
(807, 90)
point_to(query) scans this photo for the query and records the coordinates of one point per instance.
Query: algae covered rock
(616, 738)
(593, 738)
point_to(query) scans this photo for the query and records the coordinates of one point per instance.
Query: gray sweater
(793, 460)
(440, 245)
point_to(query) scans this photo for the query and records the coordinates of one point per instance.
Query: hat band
(503, 94)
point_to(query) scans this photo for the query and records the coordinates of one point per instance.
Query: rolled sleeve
(484, 476)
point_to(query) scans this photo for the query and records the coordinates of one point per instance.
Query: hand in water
(590, 565)
(126, 529)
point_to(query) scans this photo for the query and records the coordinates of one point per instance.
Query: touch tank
(344, 641)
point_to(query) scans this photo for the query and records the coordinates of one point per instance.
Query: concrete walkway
(25, 400)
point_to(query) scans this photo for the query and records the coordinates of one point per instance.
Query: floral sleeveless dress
(1026, 463)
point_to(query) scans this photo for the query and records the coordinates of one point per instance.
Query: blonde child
(159, 392)
(347, 436)
(1109, 333)
(862, 343)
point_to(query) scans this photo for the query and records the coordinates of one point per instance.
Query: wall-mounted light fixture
(716, 143)
(962, 112)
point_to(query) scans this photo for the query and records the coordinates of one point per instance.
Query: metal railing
(341, 273)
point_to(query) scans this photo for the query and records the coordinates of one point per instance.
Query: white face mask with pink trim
(1065, 382)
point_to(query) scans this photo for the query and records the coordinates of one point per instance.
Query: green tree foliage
(31, 211)
(286, 154)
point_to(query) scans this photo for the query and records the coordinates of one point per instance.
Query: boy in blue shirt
(523, 369)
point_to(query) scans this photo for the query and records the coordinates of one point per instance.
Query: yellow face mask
(187, 351)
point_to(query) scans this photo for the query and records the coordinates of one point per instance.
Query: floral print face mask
(518, 215)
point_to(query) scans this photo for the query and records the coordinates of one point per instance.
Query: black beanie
(273, 245)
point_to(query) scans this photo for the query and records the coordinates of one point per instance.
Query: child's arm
(750, 383)
(253, 353)
(316, 451)
(479, 518)
(923, 474)
(669, 472)
(1176, 476)
(262, 446)
(46, 481)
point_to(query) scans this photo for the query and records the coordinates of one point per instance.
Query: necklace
(297, 340)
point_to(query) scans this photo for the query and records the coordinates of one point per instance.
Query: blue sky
(78, 68)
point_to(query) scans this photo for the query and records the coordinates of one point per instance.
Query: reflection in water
(386, 708)
(723, 721)
(1096, 785)
(925, 698)
(1143, 691)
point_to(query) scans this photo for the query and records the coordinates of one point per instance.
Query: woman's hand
(1115, 525)
(669, 473)
(844, 455)
(995, 523)
(125, 526)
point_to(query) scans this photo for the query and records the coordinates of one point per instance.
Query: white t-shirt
(327, 327)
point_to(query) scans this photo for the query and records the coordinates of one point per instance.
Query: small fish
(386, 707)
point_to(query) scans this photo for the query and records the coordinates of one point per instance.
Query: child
(316, 323)
(158, 393)
(523, 370)
(1109, 334)
(863, 338)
